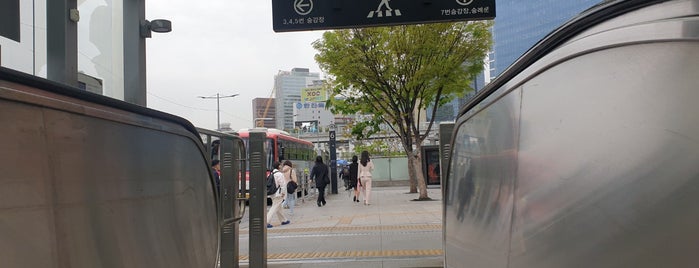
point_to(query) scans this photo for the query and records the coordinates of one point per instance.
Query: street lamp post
(218, 97)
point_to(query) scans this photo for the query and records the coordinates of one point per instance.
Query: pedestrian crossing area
(386, 13)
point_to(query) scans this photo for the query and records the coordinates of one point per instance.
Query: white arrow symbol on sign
(300, 5)
(464, 2)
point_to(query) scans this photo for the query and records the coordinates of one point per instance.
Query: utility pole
(218, 98)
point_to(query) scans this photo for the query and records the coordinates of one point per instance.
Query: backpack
(291, 187)
(271, 183)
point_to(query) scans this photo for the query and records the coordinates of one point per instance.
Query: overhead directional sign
(303, 15)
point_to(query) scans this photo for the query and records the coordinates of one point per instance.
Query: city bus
(281, 146)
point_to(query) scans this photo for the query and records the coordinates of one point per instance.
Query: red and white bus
(281, 146)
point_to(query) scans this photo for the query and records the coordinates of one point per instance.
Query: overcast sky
(219, 46)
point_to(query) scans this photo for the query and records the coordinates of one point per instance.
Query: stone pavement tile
(391, 210)
(379, 263)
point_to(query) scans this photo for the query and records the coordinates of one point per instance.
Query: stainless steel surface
(231, 152)
(258, 198)
(445, 132)
(88, 185)
(587, 157)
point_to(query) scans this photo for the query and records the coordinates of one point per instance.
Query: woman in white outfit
(278, 197)
(366, 167)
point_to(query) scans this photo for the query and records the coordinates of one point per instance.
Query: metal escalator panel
(91, 182)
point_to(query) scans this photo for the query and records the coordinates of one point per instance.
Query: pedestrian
(216, 169)
(215, 145)
(277, 197)
(319, 174)
(289, 175)
(344, 175)
(366, 167)
(353, 179)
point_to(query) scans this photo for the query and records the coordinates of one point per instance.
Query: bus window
(281, 150)
(269, 148)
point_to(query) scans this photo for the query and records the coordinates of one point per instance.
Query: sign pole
(333, 161)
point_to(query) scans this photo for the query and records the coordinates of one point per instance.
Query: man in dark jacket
(319, 174)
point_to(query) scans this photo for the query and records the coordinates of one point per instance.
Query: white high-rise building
(311, 109)
(287, 88)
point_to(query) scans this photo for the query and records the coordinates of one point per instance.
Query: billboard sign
(313, 95)
(303, 15)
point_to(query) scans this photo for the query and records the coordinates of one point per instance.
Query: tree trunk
(412, 174)
(416, 166)
(421, 184)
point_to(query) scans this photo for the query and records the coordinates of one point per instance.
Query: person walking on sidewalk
(277, 197)
(353, 179)
(319, 174)
(289, 176)
(216, 169)
(366, 167)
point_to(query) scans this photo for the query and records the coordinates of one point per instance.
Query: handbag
(291, 187)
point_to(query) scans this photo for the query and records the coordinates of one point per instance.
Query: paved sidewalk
(394, 231)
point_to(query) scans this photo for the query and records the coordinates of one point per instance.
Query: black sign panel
(301, 15)
(9, 19)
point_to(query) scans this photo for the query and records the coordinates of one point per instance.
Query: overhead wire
(200, 109)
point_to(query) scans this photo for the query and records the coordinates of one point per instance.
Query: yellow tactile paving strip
(345, 220)
(352, 254)
(353, 228)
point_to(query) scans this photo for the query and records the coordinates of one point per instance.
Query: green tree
(392, 74)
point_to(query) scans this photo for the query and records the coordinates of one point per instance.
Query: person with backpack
(344, 174)
(276, 190)
(291, 186)
(319, 174)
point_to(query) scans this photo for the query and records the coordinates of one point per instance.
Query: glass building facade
(287, 88)
(81, 43)
(518, 26)
(24, 48)
(101, 44)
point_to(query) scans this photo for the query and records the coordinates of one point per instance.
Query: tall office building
(287, 88)
(518, 26)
